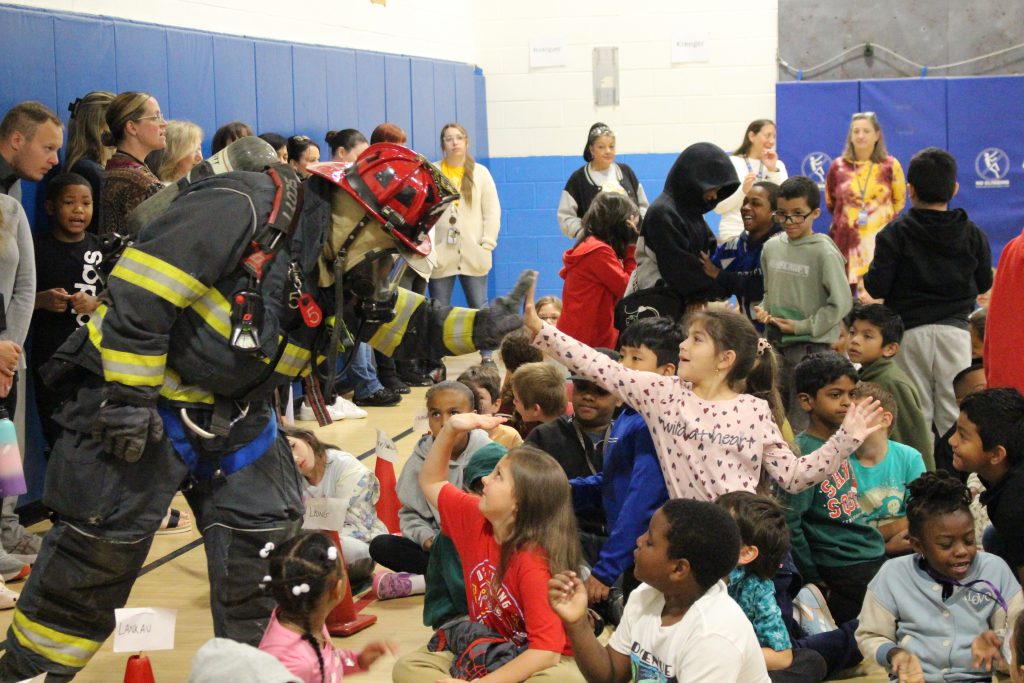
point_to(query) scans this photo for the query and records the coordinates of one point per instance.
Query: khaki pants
(421, 665)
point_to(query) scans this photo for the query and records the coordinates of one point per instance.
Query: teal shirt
(909, 427)
(827, 523)
(882, 488)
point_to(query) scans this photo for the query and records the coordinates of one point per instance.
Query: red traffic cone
(388, 503)
(343, 620)
(138, 670)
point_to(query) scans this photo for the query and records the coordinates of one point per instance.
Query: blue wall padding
(444, 98)
(234, 78)
(398, 97)
(275, 94)
(370, 93)
(480, 145)
(967, 116)
(309, 78)
(212, 79)
(465, 104)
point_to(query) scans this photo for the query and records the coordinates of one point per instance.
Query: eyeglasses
(159, 118)
(794, 218)
(453, 138)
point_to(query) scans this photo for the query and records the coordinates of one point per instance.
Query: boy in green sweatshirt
(832, 543)
(806, 290)
(875, 335)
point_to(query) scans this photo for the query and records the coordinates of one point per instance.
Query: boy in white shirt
(680, 625)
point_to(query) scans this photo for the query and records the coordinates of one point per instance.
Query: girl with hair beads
(597, 269)
(307, 581)
(510, 540)
(940, 614)
(332, 473)
(715, 425)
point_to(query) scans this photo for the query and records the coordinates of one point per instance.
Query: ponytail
(763, 380)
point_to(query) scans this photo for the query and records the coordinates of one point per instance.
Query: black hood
(700, 167)
(942, 232)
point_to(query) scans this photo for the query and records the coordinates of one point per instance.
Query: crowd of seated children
(485, 381)
(967, 381)
(832, 543)
(538, 395)
(515, 350)
(882, 469)
(407, 555)
(875, 335)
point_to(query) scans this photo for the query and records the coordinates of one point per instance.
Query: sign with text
(386, 448)
(325, 514)
(690, 47)
(144, 629)
(548, 52)
(420, 423)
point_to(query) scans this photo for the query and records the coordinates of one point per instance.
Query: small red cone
(343, 620)
(388, 503)
(138, 670)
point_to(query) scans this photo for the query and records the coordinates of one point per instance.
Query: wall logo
(992, 166)
(815, 166)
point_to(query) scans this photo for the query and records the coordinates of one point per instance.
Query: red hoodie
(595, 279)
(1004, 329)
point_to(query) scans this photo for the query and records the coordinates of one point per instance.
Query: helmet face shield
(375, 281)
(398, 187)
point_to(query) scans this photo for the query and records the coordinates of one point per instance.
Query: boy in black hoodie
(674, 232)
(930, 265)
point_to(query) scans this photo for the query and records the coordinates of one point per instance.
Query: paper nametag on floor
(325, 514)
(386, 448)
(420, 423)
(144, 629)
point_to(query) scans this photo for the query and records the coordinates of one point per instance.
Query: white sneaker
(341, 410)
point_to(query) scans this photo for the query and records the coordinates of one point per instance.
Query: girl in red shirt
(597, 270)
(510, 540)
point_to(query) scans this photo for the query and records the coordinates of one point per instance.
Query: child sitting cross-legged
(765, 540)
(882, 470)
(940, 614)
(680, 624)
(510, 539)
(307, 581)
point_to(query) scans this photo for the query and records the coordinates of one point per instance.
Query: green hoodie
(805, 281)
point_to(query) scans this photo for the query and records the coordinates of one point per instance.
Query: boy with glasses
(806, 289)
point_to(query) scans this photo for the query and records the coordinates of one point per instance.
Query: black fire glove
(503, 314)
(128, 421)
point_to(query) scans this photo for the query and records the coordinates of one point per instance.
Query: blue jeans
(473, 286)
(361, 374)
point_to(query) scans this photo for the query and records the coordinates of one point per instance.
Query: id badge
(862, 217)
(453, 235)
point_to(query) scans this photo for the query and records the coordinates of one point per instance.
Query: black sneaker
(395, 384)
(381, 398)
(415, 379)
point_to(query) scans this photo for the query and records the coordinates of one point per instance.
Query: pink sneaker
(393, 585)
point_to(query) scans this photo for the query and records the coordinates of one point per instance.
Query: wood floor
(180, 582)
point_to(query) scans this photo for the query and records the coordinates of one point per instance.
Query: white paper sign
(690, 47)
(548, 52)
(41, 678)
(144, 629)
(325, 514)
(386, 448)
(420, 423)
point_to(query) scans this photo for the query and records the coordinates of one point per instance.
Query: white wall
(441, 29)
(663, 107)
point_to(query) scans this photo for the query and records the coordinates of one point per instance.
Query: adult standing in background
(467, 232)
(302, 151)
(30, 137)
(86, 154)
(228, 133)
(346, 145)
(135, 127)
(864, 190)
(600, 174)
(754, 160)
(183, 151)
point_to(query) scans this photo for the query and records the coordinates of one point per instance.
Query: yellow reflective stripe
(215, 311)
(159, 277)
(174, 390)
(133, 369)
(95, 324)
(389, 335)
(458, 330)
(294, 359)
(53, 645)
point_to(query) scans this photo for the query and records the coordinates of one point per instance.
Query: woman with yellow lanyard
(467, 233)
(864, 190)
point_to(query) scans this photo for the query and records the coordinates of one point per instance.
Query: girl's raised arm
(434, 473)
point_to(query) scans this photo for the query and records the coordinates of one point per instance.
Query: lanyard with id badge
(862, 217)
(453, 230)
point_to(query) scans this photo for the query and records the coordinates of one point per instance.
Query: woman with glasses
(467, 232)
(302, 152)
(135, 127)
(184, 150)
(600, 174)
(864, 190)
(755, 160)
